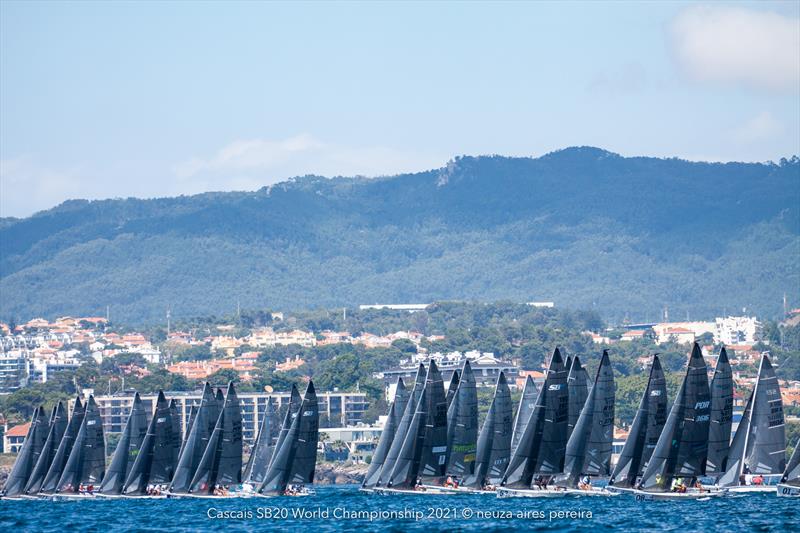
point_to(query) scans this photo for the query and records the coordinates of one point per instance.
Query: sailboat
(127, 449)
(220, 467)
(50, 483)
(494, 443)
(719, 432)
(452, 387)
(759, 445)
(86, 464)
(158, 455)
(644, 433)
(789, 486)
(294, 461)
(589, 446)
(682, 448)
(541, 448)
(58, 426)
(264, 446)
(196, 442)
(28, 455)
(462, 428)
(526, 404)
(396, 409)
(578, 387)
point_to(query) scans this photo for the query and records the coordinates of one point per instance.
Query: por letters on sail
(578, 387)
(645, 430)
(759, 444)
(58, 426)
(196, 442)
(541, 446)
(402, 428)
(221, 463)
(50, 482)
(264, 447)
(396, 409)
(682, 448)
(494, 441)
(157, 458)
(87, 460)
(590, 444)
(28, 455)
(462, 426)
(127, 449)
(526, 404)
(719, 431)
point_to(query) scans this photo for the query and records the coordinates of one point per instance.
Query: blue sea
(344, 508)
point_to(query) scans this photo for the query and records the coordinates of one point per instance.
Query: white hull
(673, 496)
(788, 491)
(71, 496)
(503, 492)
(426, 492)
(752, 489)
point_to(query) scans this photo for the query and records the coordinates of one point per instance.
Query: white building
(736, 330)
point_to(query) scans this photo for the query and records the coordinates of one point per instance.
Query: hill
(583, 227)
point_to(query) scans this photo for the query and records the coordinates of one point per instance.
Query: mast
(791, 476)
(719, 433)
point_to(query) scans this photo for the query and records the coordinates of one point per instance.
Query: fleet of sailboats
(66, 458)
(558, 443)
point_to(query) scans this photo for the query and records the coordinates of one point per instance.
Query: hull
(643, 496)
(70, 497)
(751, 489)
(503, 492)
(788, 491)
(426, 491)
(460, 490)
(620, 490)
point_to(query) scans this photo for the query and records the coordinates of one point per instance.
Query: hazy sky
(150, 99)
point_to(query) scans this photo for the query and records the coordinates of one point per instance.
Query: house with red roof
(14, 438)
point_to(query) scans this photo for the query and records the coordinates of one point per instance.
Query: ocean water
(344, 508)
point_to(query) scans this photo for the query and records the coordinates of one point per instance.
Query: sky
(149, 99)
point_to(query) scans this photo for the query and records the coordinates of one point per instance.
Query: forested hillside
(582, 227)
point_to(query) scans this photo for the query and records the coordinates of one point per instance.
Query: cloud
(761, 127)
(26, 187)
(266, 161)
(739, 46)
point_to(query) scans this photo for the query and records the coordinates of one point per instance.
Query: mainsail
(264, 446)
(196, 442)
(494, 442)
(578, 386)
(526, 404)
(542, 445)
(402, 427)
(192, 416)
(175, 417)
(791, 476)
(682, 448)
(295, 402)
(221, 463)
(452, 387)
(387, 435)
(28, 456)
(589, 446)
(759, 445)
(305, 458)
(58, 425)
(433, 460)
(156, 461)
(87, 461)
(50, 482)
(406, 468)
(462, 426)
(719, 432)
(127, 449)
(645, 430)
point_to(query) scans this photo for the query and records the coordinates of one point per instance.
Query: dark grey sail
(175, 417)
(682, 448)
(578, 386)
(433, 461)
(50, 482)
(28, 455)
(645, 430)
(452, 387)
(127, 449)
(526, 404)
(280, 469)
(462, 427)
(402, 427)
(396, 409)
(196, 442)
(305, 458)
(407, 467)
(791, 476)
(759, 444)
(550, 459)
(221, 463)
(192, 416)
(157, 459)
(264, 446)
(295, 401)
(719, 432)
(590, 445)
(551, 411)
(494, 441)
(58, 425)
(87, 461)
